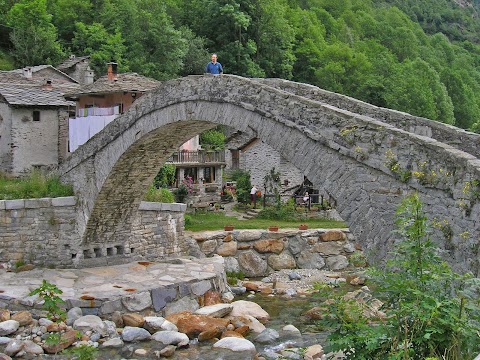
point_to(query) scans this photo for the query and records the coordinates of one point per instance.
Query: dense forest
(418, 56)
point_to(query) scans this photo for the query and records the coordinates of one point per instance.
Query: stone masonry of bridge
(367, 164)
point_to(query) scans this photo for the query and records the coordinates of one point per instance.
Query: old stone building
(247, 152)
(33, 118)
(78, 68)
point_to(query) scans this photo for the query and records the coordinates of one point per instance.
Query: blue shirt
(214, 68)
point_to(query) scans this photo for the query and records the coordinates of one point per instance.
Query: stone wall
(44, 232)
(260, 252)
(5, 138)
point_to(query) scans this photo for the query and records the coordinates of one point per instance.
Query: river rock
(242, 308)
(137, 302)
(309, 260)
(111, 328)
(8, 327)
(90, 323)
(5, 357)
(232, 333)
(4, 315)
(4, 340)
(73, 314)
(294, 276)
(132, 319)
(141, 352)
(217, 311)
(212, 297)
(31, 348)
(228, 296)
(167, 351)
(291, 329)
(153, 323)
(66, 339)
(316, 313)
(193, 325)
(337, 262)
(44, 322)
(227, 249)
(24, 318)
(236, 345)
(131, 334)
(249, 321)
(209, 334)
(113, 343)
(282, 261)
(252, 264)
(171, 338)
(313, 352)
(238, 290)
(269, 245)
(267, 336)
(13, 347)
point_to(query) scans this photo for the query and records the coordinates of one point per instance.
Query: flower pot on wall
(228, 228)
(303, 227)
(273, 228)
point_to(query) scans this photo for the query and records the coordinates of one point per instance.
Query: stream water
(283, 311)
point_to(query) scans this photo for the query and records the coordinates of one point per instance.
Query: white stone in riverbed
(4, 340)
(141, 352)
(153, 323)
(217, 310)
(13, 347)
(291, 329)
(8, 327)
(171, 338)
(242, 308)
(236, 345)
(267, 336)
(115, 343)
(90, 323)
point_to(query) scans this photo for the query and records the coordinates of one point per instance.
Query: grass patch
(201, 221)
(32, 187)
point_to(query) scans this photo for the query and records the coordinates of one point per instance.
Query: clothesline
(98, 111)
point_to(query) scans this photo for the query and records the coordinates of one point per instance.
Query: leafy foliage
(243, 186)
(431, 311)
(161, 195)
(165, 176)
(49, 293)
(212, 139)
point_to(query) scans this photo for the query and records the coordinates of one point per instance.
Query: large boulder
(192, 325)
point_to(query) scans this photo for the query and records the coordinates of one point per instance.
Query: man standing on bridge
(214, 67)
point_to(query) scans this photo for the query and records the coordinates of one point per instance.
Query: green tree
(66, 13)
(212, 139)
(34, 37)
(102, 46)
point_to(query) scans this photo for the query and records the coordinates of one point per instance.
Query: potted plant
(273, 228)
(303, 227)
(228, 228)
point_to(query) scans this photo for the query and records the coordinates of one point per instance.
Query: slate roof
(11, 77)
(34, 95)
(126, 82)
(42, 67)
(71, 62)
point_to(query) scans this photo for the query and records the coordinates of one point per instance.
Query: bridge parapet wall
(44, 232)
(448, 134)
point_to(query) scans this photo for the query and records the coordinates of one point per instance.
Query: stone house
(33, 118)
(246, 152)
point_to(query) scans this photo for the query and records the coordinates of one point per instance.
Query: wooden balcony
(197, 157)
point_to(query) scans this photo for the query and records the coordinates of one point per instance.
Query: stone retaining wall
(259, 252)
(45, 232)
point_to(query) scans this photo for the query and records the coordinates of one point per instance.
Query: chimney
(112, 71)
(48, 85)
(27, 72)
(89, 76)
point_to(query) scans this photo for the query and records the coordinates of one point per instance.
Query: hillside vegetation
(421, 57)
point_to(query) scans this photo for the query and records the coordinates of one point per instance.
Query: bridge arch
(362, 162)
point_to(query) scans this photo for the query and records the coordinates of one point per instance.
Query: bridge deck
(138, 286)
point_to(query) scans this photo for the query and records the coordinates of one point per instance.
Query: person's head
(306, 193)
(214, 58)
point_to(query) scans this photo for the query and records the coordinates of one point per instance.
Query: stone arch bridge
(367, 158)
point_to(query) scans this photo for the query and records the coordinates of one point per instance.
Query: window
(209, 174)
(235, 159)
(36, 115)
